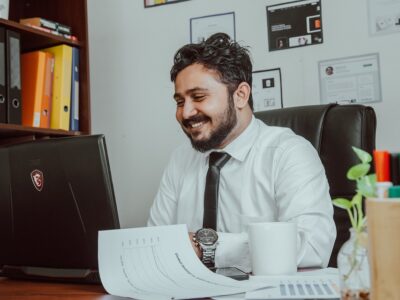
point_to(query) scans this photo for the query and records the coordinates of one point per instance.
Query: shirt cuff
(233, 251)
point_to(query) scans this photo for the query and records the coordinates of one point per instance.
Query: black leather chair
(332, 129)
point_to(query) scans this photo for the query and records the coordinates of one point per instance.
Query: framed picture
(152, 3)
(267, 89)
(294, 24)
(203, 27)
(354, 79)
(383, 16)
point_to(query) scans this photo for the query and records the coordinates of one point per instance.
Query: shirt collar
(240, 146)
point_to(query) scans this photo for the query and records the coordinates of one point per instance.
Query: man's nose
(189, 110)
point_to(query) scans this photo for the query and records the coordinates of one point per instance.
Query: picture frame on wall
(203, 27)
(267, 90)
(353, 79)
(153, 3)
(294, 24)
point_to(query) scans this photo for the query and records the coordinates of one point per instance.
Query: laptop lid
(55, 195)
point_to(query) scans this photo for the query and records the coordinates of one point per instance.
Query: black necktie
(216, 161)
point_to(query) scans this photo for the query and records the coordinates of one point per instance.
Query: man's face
(205, 110)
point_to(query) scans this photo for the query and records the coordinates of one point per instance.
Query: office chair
(332, 129)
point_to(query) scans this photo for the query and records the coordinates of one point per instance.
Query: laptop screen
(55, 195)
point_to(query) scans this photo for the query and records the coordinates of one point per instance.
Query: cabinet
(72, 13)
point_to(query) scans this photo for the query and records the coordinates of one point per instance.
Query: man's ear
(242, 95)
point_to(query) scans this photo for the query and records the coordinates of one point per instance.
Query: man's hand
(195, 245)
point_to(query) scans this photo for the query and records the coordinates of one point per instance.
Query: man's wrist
(207, 240)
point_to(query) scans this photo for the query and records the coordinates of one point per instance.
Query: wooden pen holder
(383, 219)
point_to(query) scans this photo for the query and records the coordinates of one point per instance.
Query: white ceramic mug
(273, 248)
(4, 8)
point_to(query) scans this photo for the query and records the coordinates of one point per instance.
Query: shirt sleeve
(164, 208)
(302, 196)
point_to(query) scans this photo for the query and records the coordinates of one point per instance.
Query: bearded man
(264, 173)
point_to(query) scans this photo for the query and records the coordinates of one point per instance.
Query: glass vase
(353, 267)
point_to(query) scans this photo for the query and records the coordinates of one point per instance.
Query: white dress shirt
(273, 175)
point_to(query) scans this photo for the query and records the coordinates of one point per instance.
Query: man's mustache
(194, 119)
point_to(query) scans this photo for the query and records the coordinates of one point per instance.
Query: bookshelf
(72, 13)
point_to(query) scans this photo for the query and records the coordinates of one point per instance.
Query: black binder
(13, 99)
(3, 107)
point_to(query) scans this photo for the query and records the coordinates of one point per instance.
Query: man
(271, 175)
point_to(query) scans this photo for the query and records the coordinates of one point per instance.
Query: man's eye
(179, 103)
(198, 97)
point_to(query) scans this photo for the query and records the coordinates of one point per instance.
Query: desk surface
(21, 289)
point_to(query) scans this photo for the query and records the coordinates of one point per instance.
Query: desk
(21, 290)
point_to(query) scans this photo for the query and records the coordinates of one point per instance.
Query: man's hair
(231, 61)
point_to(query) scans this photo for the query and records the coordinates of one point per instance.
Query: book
(67, 36)
(52, 25)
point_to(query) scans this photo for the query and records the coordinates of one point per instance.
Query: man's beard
(228, 121)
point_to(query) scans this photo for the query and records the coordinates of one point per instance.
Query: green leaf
(358, 171)
(357, 198)
(342, 203)
(366, 185)
(365, 157)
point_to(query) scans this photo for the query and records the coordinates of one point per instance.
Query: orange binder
(33, 69)
(36, 92)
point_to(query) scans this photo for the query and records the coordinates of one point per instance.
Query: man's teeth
(195, 125)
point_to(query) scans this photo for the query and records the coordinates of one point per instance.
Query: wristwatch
(207, 239)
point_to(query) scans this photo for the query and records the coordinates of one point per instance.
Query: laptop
(55, 195)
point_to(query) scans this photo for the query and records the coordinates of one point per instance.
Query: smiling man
(262, 173)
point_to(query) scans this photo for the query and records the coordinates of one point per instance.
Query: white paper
(319, 284)
(159, 263)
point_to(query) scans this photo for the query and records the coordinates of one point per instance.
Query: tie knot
(218, 159)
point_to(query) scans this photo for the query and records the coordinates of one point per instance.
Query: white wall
(131, 51)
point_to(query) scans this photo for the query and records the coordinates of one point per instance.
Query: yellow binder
(61, 99)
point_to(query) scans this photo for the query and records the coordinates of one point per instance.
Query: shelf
(12, 130)
(72, 13)
(32, 39)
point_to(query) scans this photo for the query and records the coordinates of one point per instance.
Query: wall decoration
(153, 3)
(384, 16)
(294, 24)
(353, 79)
(203, 27)
(267, 89)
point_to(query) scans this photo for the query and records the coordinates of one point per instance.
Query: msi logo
(37, 179)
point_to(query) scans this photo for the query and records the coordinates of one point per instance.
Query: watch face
(206, 236)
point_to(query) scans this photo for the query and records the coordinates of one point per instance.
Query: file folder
(13, 75)
(36, 70)
(74, 119)
(47, 91)
(61, 93)
(3, 107)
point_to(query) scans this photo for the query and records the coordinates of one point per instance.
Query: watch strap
(208, 257)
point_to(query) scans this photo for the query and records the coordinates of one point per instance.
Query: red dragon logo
(37, 179)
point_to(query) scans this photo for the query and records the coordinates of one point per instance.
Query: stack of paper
(159, 263)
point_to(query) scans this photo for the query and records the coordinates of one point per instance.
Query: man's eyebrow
(193, 90)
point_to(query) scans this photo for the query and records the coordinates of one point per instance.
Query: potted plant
(353, 257)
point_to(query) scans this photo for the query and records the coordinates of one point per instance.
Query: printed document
(318, 284)
(159, 263)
